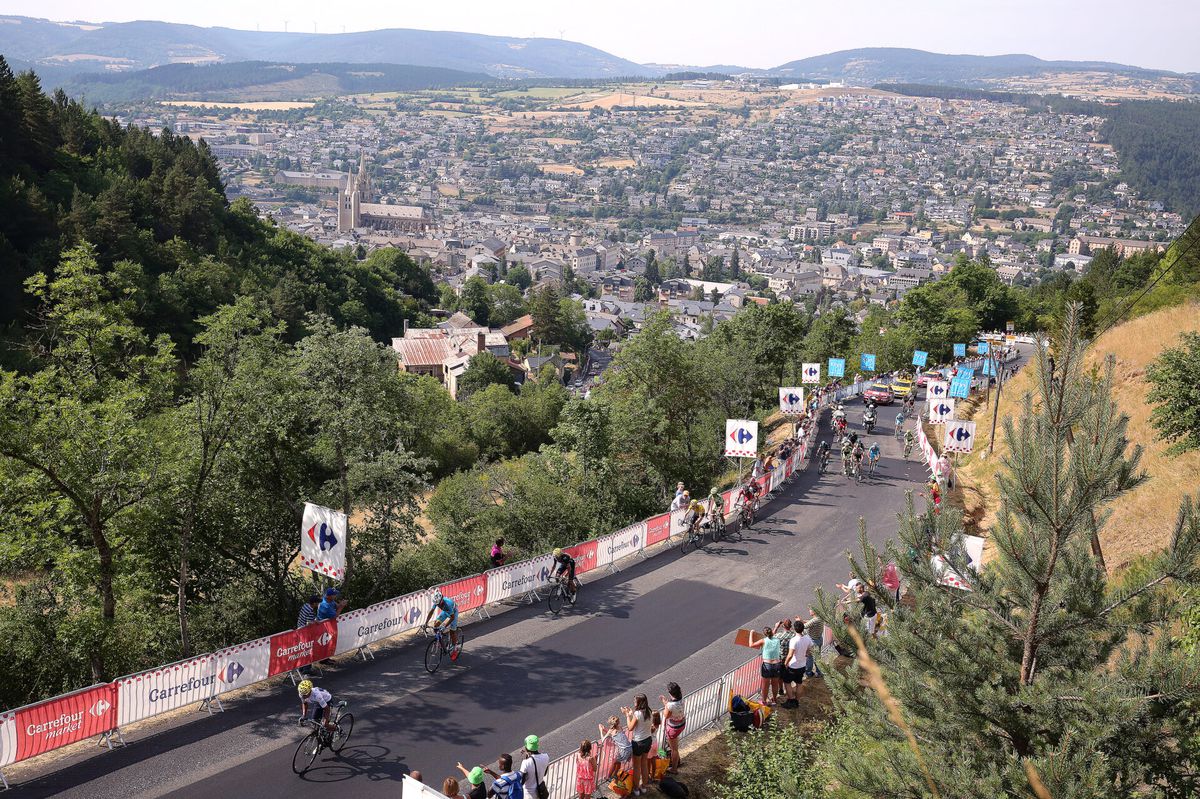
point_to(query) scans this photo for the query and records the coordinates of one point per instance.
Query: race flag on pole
(741, 438)
(837, 367)
(323, 541)
(791, 400)
(810, 373)
(867, 362)
(920, 357)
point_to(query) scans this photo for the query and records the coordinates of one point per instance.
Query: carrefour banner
(518, 579)
(658, 528)
(304, 645)
(8, 738)
(585, 556)
(468, 594)
(140, 696)
(242, 665)
(776, 476)
(347, 625)
(385, 619)
(623, 543)
(65, 719)
(323, 541)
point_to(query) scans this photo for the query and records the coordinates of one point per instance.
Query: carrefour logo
(960, 434)
(790, 399)
(230, 672)
(811, 371)
(939, 389)
(741, 435)
(100, 708)
(413, 614)
(941, 409)
(324, 538)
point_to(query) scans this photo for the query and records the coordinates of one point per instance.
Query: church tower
(349, 200)
(364, 181)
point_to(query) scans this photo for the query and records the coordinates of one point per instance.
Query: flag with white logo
(941, 411)
(323, 541)
(960, 436)
(810, 373)
(791, 401)
(741, 438)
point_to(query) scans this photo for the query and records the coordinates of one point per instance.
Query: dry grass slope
(1142, 520)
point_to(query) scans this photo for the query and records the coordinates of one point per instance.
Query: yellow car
(902, 387)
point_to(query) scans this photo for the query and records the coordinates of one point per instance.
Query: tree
(652, 274)
(80, 430)
(519, 276)
(1175, 389)
(1047, 665)
(475, 301)
(546, 311)
(483, 370)
(508, 304)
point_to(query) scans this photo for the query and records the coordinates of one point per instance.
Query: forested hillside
(153, 208)
(1157, 141)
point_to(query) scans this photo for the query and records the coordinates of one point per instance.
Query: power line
(1153, 283)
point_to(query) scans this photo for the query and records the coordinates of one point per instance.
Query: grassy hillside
(1142, 520)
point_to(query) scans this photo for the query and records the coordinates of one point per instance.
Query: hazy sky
(754, 33)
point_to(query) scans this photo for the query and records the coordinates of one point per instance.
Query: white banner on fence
(412, 789)
(8, 738)
(140, 696)
(679, 522)
(622, 543)
(704, 706)
(348, 625)
(384, 620)
(242, 665)
(777, 475)
(974, 546)
(518, 579)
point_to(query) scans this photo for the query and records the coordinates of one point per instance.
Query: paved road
(666, 618)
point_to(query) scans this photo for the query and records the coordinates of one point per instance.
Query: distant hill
(265, 80)
(870, 65)
(98, 47)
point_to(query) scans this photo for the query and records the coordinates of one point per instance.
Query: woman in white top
(674, 721)
(638, 720)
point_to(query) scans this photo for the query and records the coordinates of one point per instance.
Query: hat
(314, 598)
(476, 776)
(531, 743)
(332, 592)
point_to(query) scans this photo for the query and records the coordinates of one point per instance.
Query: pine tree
(1048, 669)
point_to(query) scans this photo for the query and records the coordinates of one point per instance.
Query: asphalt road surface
(669, 617)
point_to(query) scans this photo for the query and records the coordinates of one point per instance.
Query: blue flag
(867, 363)
(960, 350)
(983, 348)
(920, 357)
(989, 367)
(837, 367)
(960, 387)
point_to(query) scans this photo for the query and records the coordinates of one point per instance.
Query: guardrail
(103, 710)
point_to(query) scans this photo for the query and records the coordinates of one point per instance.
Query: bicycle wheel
(306, 752)
(345, 726)
(462, 639)
(433, 655)
(572, 595)
(718, 530)
(555, 600)
(689, 542)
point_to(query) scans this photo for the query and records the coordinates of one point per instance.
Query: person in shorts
(771, 656)
(674, 719)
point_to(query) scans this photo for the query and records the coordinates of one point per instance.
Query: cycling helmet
(713, 492)
(557, 552)
(305, 687)
(437, 597)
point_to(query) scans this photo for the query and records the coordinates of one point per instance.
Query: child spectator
(450, 788)
(585, 771)
(613, 735)
(675, 720)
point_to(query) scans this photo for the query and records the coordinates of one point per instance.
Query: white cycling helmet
(437, 597)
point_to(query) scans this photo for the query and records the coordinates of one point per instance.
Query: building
(354, 211)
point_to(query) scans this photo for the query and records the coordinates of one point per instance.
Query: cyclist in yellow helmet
(315, 702)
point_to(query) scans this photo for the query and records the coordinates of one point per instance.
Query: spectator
(673, 717)
(814, 628)
(416, 775)
(868, 608)
(507, 783)
(890, 576)
(756, 471)
(614, 735)
(585, 770)
(308, 611)
(450, 788)
(475, 778)
(945, 471)
(935, 496)
(681, 501)
(498, 556)
(769, 645)
(786, 635)
(637, 721)
(330, 606)
(533, 767)
(679, 489)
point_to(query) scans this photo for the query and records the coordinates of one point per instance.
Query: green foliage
(1046, 661)
(1175, 390)
(775, 763)
(483, 370)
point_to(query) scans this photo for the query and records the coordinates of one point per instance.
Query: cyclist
(315, 702)
(749, 495)
(909, 439)
(847, 450)
(900, 419)
(716, 506)
(873, 455)
(857, 455)
(564, 563)
(823, 452)
(695, 515)
(448, 617)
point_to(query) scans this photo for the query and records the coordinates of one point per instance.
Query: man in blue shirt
(330, 606)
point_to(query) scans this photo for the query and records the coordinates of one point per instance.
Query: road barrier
(102, 710)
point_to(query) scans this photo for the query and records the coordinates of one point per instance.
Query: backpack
(673, 788)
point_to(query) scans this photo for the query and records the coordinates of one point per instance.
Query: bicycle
(319, 739)
(873, 463)
(561, 594)
(908, 448)
(440, 646)
(745, 515)
(693, 538)
(824, 467)
(715, 525)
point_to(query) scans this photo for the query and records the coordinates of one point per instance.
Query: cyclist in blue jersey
(448, 617)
